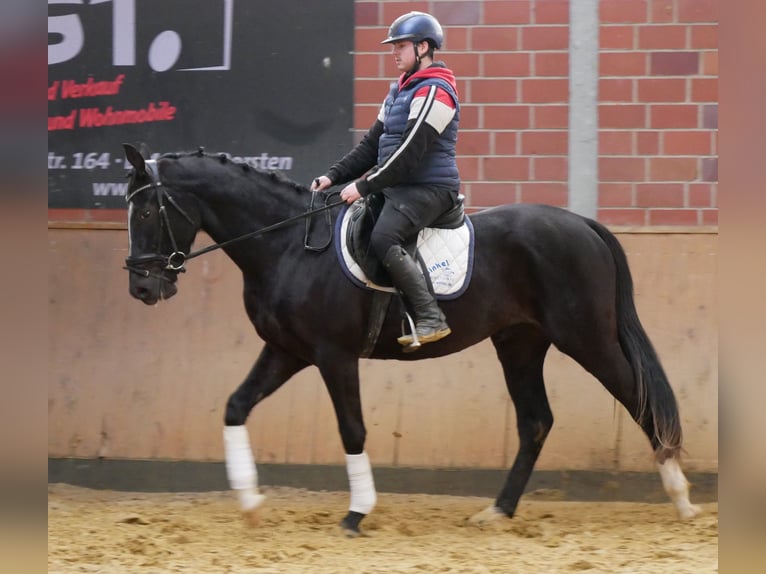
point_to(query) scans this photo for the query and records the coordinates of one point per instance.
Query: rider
(408, 155)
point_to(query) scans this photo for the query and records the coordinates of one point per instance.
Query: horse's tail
(655, 396)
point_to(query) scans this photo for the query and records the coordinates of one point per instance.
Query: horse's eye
(145, 214)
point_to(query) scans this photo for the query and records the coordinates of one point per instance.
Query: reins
(263, 230)
(176, 260)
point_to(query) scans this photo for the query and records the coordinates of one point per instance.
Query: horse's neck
(235, 205)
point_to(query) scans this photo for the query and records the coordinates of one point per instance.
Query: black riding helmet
(415, 26)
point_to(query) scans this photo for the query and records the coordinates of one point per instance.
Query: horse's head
(162, 224)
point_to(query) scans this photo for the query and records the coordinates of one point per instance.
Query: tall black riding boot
(430, 324)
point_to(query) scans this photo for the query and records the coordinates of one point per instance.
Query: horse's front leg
(270, 372)
(341, 376)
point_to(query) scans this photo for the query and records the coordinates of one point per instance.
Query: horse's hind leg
(610, 366)
(521, 350)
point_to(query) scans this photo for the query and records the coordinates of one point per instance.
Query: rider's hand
(320, 183)
(350, 193)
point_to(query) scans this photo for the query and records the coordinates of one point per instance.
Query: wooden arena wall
(136, 382)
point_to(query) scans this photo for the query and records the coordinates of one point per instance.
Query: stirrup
(411, 342)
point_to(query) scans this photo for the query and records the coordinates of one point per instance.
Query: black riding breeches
(407, 210)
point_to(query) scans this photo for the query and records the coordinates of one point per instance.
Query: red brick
(615, 194)
(457, 38)
(673, 217)
(662, 89)
(505, 143)
(494, 39)
(367, 66)
(674, 63)
(622, 216)
(704, 36)
(615, 142)
(469, 117)
(709, 169)
(507, 12)
(710, 116)
(709, 216)
(673, 116)
(491, 194)
(544, 143)
(550, 117)
(686, 143)
(616, 37)
(710, 63)
(700, 195)
(545, 90)
(662, 37)
(661, 10)
(469, 167)
(660, 195)
(622, 11)
(368, 40)
(506, 168)
(545, 38)
(464, 64)
(550, 168)
(370, 91)
(705, 89)
(366, 14)
(493, 91)
(552, 64)
(392, 10)
(622, 64)
(549, 193)
(615, 90)
(365, 116)
(473, 143)
(672, 169)
(621, 169)
(551, 12)
(457, 13)
(463, 86)
(697, 11)
(648, 143)
(506, 117)
(513, 64)
(621, 116)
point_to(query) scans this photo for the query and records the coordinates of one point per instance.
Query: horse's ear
(135, 158)
(143, 147)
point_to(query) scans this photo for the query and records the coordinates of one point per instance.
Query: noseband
(176, 260)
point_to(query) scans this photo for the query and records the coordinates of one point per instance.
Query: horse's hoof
(350, 524)
(487, 516)
(688, 512)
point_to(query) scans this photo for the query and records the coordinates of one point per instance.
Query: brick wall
(658, 111)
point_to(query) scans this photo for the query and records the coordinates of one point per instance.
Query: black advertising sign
(268, 82)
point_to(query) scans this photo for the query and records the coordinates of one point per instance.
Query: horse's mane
(246, 168)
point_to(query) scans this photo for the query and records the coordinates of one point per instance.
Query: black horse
(542, 276)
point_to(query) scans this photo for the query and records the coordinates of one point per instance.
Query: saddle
(363, 217)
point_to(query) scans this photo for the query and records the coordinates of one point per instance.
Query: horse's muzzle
(154, 287)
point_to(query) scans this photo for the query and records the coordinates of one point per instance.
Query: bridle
(175, 262)
(177, 258)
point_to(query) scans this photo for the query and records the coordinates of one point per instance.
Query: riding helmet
(415, 26)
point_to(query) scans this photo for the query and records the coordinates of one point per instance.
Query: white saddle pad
(447, 253)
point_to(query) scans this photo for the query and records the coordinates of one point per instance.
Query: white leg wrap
(240, 466)
(363, 496)
(677, 487)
